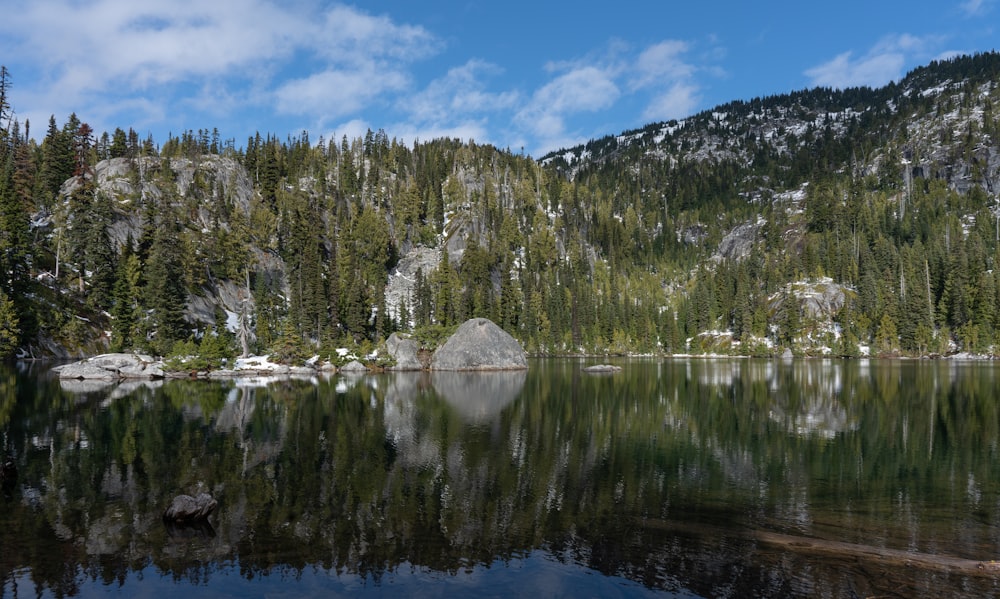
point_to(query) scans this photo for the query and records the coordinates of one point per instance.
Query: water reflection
(479, 397)
(670, 474)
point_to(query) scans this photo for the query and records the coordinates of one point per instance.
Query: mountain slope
(715, 233)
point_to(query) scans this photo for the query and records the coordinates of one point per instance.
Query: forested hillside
(821, 221)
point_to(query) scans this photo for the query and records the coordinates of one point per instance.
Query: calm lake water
(677, 478)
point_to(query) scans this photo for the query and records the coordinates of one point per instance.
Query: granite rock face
(479, 344)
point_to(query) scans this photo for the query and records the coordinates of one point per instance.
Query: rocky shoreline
(477, 345)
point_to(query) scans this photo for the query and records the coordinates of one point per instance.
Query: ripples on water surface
(683, 478)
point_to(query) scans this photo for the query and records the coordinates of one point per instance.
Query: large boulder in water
(479, 344)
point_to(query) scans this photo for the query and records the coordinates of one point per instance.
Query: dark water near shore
(678, 478)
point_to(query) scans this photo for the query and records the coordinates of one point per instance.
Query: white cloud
(680, 101)
(352, 129)
(882, 64)
(662, 70)
(841, 72)
(662, 64)
(347, 35)
(458, 95)
(584, 88)
(87, 45)
(337, 93)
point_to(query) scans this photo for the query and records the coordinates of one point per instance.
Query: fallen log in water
(839, 549)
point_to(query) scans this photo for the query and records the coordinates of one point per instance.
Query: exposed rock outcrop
(739, 242)
(479, 344)
(403, 278)
(111, 367)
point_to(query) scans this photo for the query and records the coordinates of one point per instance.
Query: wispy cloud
(661, 75)
(679, 101)
(335, 93)
(581, 88)
(659, 62)
(460, 94)
(881, 64)
(664, 69)
(976, 8)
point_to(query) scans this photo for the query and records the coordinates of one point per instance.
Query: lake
(671, 478)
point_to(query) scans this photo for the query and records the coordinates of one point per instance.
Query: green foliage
(433, 336)
(9, 327)
(214, 351)
(289, 348)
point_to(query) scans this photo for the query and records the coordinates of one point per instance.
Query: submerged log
(873, 554)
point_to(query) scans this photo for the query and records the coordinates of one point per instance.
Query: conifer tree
(165, 294)
(126, 310)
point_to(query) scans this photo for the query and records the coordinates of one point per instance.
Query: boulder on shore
(111, 367)
(479, 344)
(354, 366)
(405, 351)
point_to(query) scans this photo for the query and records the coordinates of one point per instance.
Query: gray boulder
(479, 344)
(354, 366)
(111, 367)
(185, 508)
(405, 351)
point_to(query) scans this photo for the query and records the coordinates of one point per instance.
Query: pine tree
(126, 309)
(14, 233)
(445, 284)
(165, 294)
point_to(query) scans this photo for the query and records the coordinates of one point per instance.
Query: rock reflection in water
(85, 386)
(479, 397)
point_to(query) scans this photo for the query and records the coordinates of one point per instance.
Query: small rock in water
(603, 368)
(9, 470)
(8, 476)
(185, 508)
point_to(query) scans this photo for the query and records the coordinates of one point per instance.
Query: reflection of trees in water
(447, 472)
(804, 396)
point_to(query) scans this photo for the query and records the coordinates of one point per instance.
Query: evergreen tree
(165, 294)
(126, 310)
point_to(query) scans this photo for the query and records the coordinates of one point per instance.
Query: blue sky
(533, 75)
